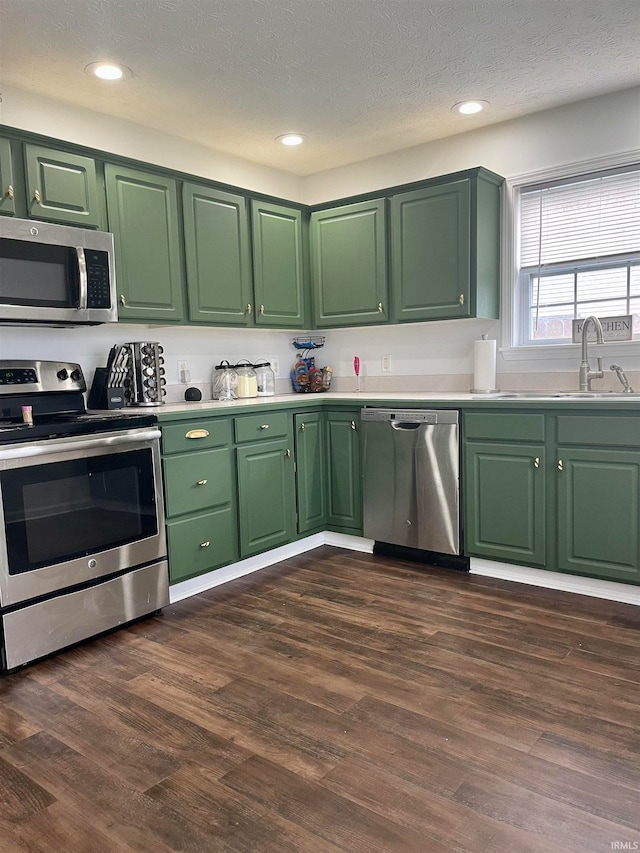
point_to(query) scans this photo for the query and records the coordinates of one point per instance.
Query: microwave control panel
(98, 287)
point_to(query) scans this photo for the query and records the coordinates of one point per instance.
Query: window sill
(571, 352)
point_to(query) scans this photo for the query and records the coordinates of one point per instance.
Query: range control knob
(62, 374)
(76, 375)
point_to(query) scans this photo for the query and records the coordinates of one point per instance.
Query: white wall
(579, 132)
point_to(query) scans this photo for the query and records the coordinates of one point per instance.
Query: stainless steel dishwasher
(411, 469)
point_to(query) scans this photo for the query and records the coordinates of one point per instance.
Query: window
(578, 254)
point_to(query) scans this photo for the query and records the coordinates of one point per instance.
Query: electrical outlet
(386, 363)
(184, 374)
(275, 366)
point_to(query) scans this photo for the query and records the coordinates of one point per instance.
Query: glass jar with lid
(247, 379)
(266, 378)
(225, 382)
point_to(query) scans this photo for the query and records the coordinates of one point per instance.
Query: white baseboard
(610, 590)
(488, 568)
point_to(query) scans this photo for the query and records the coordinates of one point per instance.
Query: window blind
(583, 219)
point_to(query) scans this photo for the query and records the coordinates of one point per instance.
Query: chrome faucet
(586, 374)
(626, 388)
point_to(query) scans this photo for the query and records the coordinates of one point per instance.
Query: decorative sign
(613, 329)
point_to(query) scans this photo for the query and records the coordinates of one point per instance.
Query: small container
(247, 379)
(266, 379)
(225, 382)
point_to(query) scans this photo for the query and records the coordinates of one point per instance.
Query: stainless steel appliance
(411, 478)
(55, 274)
(83, 545)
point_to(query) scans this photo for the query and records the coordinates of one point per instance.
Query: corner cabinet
(266, 481)
(349, 264)
(504, 500)
(143, 216)
(202, 527)
(445, 250)
(278, 265)
(344, 472)
(311, 471)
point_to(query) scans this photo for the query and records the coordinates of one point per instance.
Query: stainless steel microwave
(55, 274)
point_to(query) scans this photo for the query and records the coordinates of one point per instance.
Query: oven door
(78, 509)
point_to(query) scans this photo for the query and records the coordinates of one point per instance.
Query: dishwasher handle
(406, 424)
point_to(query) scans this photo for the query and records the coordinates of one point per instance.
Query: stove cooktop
(70, 425)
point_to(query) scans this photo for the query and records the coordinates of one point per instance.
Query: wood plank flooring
(334, 702)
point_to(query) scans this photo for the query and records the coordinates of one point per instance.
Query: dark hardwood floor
(335, 702)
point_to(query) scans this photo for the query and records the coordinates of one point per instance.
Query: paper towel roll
(484, 366)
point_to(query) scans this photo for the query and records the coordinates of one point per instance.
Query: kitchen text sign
(613, 329)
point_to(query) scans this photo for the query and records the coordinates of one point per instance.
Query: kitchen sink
(566, 395)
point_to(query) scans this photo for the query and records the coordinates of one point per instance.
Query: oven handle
(62, 445)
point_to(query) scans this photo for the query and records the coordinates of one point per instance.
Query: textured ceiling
(359, 77)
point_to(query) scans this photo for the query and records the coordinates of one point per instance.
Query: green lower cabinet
(266, 495)
(143, 216)
(197, 480)
(344, 472)
(311, 472)
(599, 513)
(200, 543)
(505, 502)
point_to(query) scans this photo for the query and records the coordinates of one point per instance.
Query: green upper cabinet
(7, 180)
(218, 256)
(445, 250)
(311, 471)
(143, 216)
(349, 264)
(61, 187)
(278, 268)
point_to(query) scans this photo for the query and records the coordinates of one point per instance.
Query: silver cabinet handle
(37, 197)
(248, 308)
(197, 433)
(353, 425)
(205, 544)
(264, 426)
(536, 462)
(10, 191)
(261, 310)
(380, 308)
(302, 427)
(560, 465)
(123, 300)
(461, 299)
(201, 483)
(287, 453)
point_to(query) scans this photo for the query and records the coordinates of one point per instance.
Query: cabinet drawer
(262, 427)
(195, 435)
(196, 481)
(503, 426)
(599, 431)
(201, 543)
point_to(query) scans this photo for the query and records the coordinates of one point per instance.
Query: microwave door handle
(82, 268)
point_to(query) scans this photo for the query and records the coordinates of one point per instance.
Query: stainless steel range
(83, 545)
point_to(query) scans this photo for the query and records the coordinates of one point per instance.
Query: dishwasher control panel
(416, 416)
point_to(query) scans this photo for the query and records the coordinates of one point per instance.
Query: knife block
(101, 397)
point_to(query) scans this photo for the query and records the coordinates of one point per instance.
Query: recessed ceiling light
(291, 139)
(469, 108)
(108, 70)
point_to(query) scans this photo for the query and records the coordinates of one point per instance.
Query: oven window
(63, 510)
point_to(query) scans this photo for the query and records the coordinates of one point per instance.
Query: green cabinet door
(599, 513)
(430, 252)
(61, 187)
(349, 264)
(266, 495)
(504, 502)
(7, 180)
(218, 258)
(445, 249)
(344, 472)
(143, 216)
(311, 471)
(278, 277)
